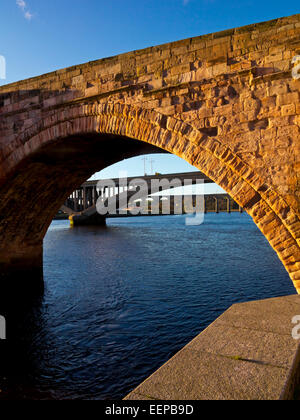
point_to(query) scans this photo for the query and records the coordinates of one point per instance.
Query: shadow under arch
(49, 167)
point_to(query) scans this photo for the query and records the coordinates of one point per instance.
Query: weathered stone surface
(226, 103)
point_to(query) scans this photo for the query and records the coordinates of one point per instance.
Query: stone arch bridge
(227, 103)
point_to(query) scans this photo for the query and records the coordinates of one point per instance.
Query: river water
(120, 301)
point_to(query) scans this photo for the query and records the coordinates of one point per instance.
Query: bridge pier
(86, 220)
(21, 257)
(217, 209)
(21, 270)
(228, 205)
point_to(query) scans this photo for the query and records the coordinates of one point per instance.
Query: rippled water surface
(120, 301)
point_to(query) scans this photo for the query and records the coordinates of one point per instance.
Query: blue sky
(39, 36)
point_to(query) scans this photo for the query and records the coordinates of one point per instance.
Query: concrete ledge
(248, 353)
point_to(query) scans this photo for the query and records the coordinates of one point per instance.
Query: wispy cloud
(28, 15)
(185, 2)
(23, 6)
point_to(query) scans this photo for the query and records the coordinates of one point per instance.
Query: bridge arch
(274, 217)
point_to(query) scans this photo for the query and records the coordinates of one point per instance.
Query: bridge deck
(192, 176)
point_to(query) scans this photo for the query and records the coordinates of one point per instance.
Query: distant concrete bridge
(227, 103)
(87, 195)
(81, 204)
